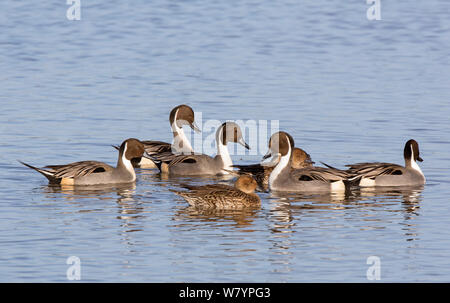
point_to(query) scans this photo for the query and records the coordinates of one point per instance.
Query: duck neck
(181, 143)
(124, 165)
(222, 151)
(411, 163)
(281, 168)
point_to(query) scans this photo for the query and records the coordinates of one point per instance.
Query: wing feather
(373, 169)
(78, 169)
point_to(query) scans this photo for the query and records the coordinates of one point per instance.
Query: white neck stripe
(284, 161)
(222, 150)
(414, 164)
(183, 140)
(125, 161)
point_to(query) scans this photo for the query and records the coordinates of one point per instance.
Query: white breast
(414, 164)
(222, 150)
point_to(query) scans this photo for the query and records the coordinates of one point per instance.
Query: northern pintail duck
(309, 179)
(388, 174)
(200, 164)
(221, 196)
(180, 116)
(94, 172)
(261, 172)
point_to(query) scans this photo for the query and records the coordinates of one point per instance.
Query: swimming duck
(179, 116)
(200, 164)
(388, 174)
(261, 173)
(94, 172)
(310, 179)
(221, 196)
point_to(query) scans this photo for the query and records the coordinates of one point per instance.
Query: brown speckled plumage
(222, 196)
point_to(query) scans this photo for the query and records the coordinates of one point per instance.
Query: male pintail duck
(308, 179)
(93, 172)
(261, 173)
(221, 196)
(388, 174)
(179, 116)
(191, 165)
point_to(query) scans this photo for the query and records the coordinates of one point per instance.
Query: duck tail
(48, 174)
(327, 165)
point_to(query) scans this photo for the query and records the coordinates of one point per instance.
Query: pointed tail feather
(161, 164)
(329, 166)
(158, 163)
(48, 174)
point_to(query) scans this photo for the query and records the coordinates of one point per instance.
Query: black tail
(158, 163)
(329, 166)
(48, 174)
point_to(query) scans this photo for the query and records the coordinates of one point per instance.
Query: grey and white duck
(388, 174)
(309, 179)
(201, 164)
(261, 172)
(181, 115)
(94, 172)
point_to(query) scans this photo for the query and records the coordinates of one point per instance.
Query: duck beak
(274, 158)
(195, 127)
(419, 159)
(309, 161)
(243, 143)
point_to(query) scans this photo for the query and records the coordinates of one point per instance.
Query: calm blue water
(346, 88)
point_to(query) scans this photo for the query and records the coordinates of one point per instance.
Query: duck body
(261, 173)
(221, 196)
(309, 179)
(200, 164)
(196, 165)
(94, 172)
(180, 116)
(373, 174)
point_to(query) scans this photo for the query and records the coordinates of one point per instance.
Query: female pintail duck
(191, 165)
(261, 172)
(179, 116)
(93, 172)
(309, 179)
(388, 174)
(222, 196)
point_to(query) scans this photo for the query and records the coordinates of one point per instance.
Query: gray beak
(309, 161)
(243, 143)
(195, 127)
(274, 159)
(268, 155)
